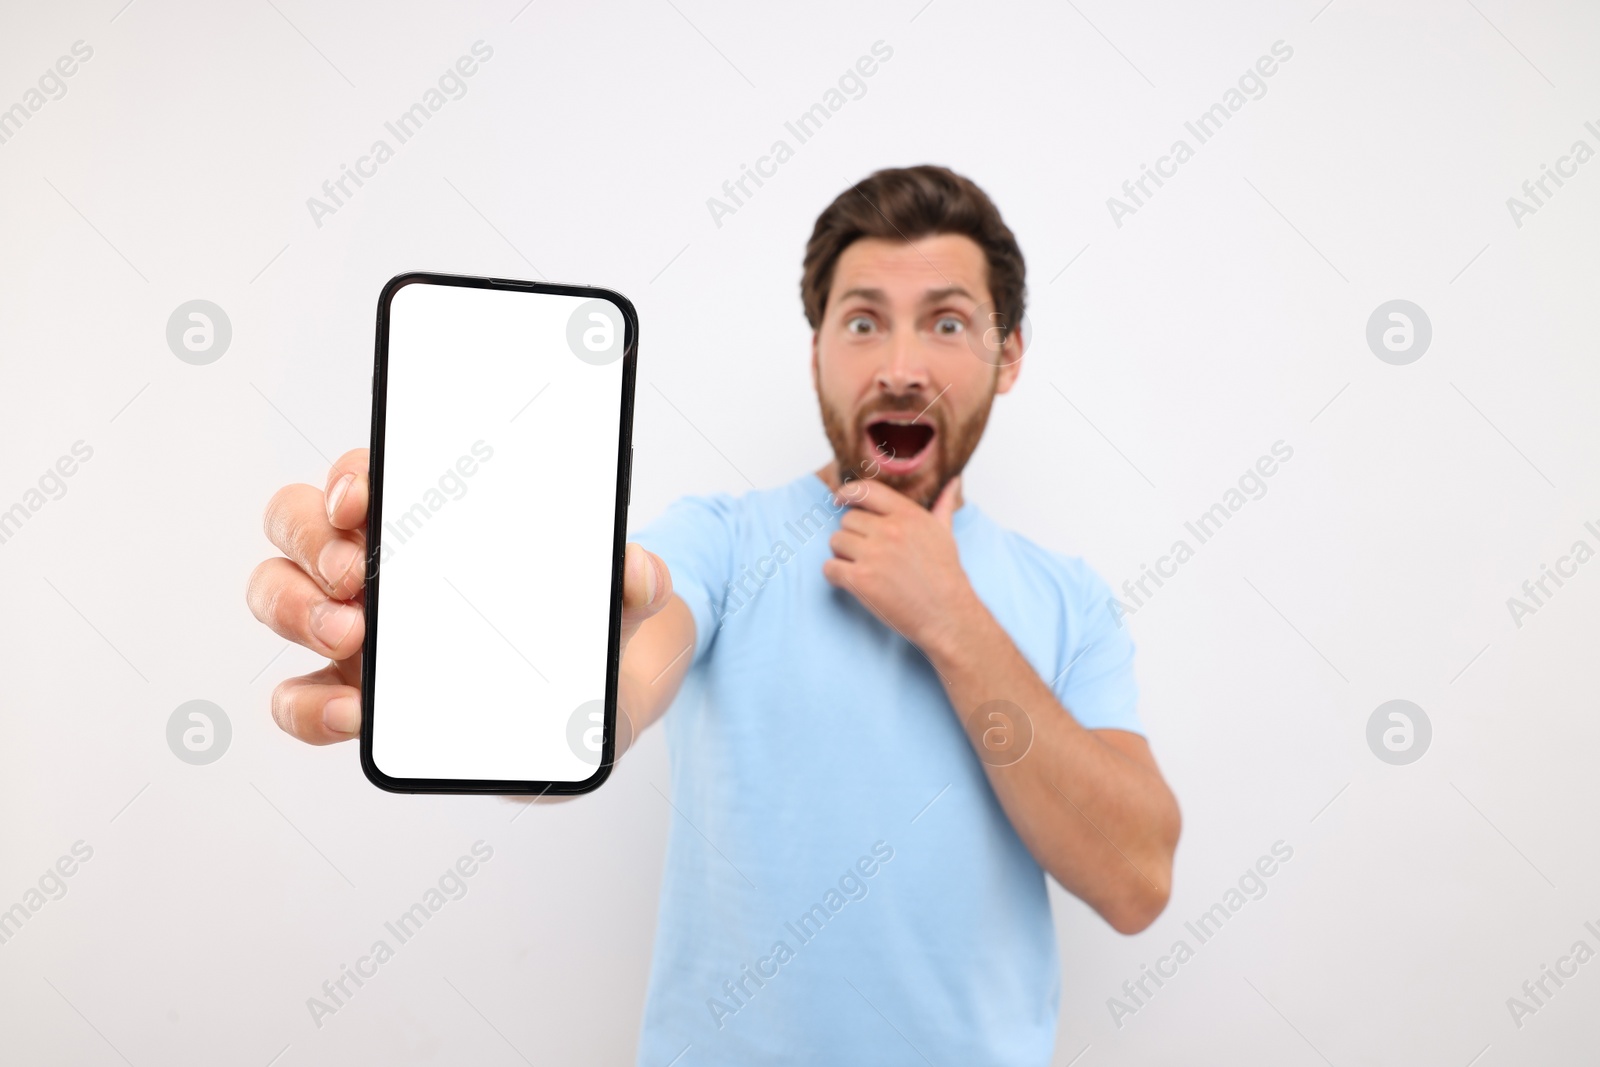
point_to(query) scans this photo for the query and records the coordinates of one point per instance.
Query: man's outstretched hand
(314, 597)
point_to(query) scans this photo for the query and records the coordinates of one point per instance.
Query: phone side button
(630, 475)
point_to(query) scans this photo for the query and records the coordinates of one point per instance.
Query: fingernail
(332, 621)
(336, 494)
(342, 715)
(637, 566)
(335, 561)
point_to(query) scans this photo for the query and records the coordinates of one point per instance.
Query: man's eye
(859, 324)
(949, 326)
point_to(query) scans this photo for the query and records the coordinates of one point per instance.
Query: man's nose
(904, 368)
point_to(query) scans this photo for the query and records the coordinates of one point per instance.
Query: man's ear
(1010, 363)
(816, 377)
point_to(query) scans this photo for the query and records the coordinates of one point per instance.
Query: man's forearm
(1094, 812)
(653, 667)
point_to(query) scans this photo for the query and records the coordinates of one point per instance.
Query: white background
(494, 612)
(1169, 353)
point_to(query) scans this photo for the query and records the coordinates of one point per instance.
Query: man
(901, 715)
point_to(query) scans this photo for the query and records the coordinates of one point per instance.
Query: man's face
(903, 373)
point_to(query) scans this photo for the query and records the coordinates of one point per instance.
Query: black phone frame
(375, 532)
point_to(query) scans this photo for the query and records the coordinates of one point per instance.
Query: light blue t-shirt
(842, 886)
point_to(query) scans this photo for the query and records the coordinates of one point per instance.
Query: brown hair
(909, 203)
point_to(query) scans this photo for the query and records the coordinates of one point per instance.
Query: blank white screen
(498, 520)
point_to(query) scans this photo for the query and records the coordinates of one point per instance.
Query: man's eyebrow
(933, 296)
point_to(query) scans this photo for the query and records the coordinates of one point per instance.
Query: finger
(296, 521)
(847, 545)
(857, 521)
(318, 708)
(646, 587)
(838, 573)
(346, 491)
(871, 496)
(281, 595)
(944, 509)
(853, 492)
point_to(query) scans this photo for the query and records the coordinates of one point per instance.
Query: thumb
(944, 509)
(646, 587)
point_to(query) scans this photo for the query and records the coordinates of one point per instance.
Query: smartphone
(502, 417)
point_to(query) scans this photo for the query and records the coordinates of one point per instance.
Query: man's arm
(1089, 804)
(658, 656)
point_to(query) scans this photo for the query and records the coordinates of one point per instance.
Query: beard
(954, 441)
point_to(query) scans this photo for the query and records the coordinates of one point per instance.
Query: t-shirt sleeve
(1096, 682)
(695, 537)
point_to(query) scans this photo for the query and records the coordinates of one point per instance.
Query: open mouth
(900, 445)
